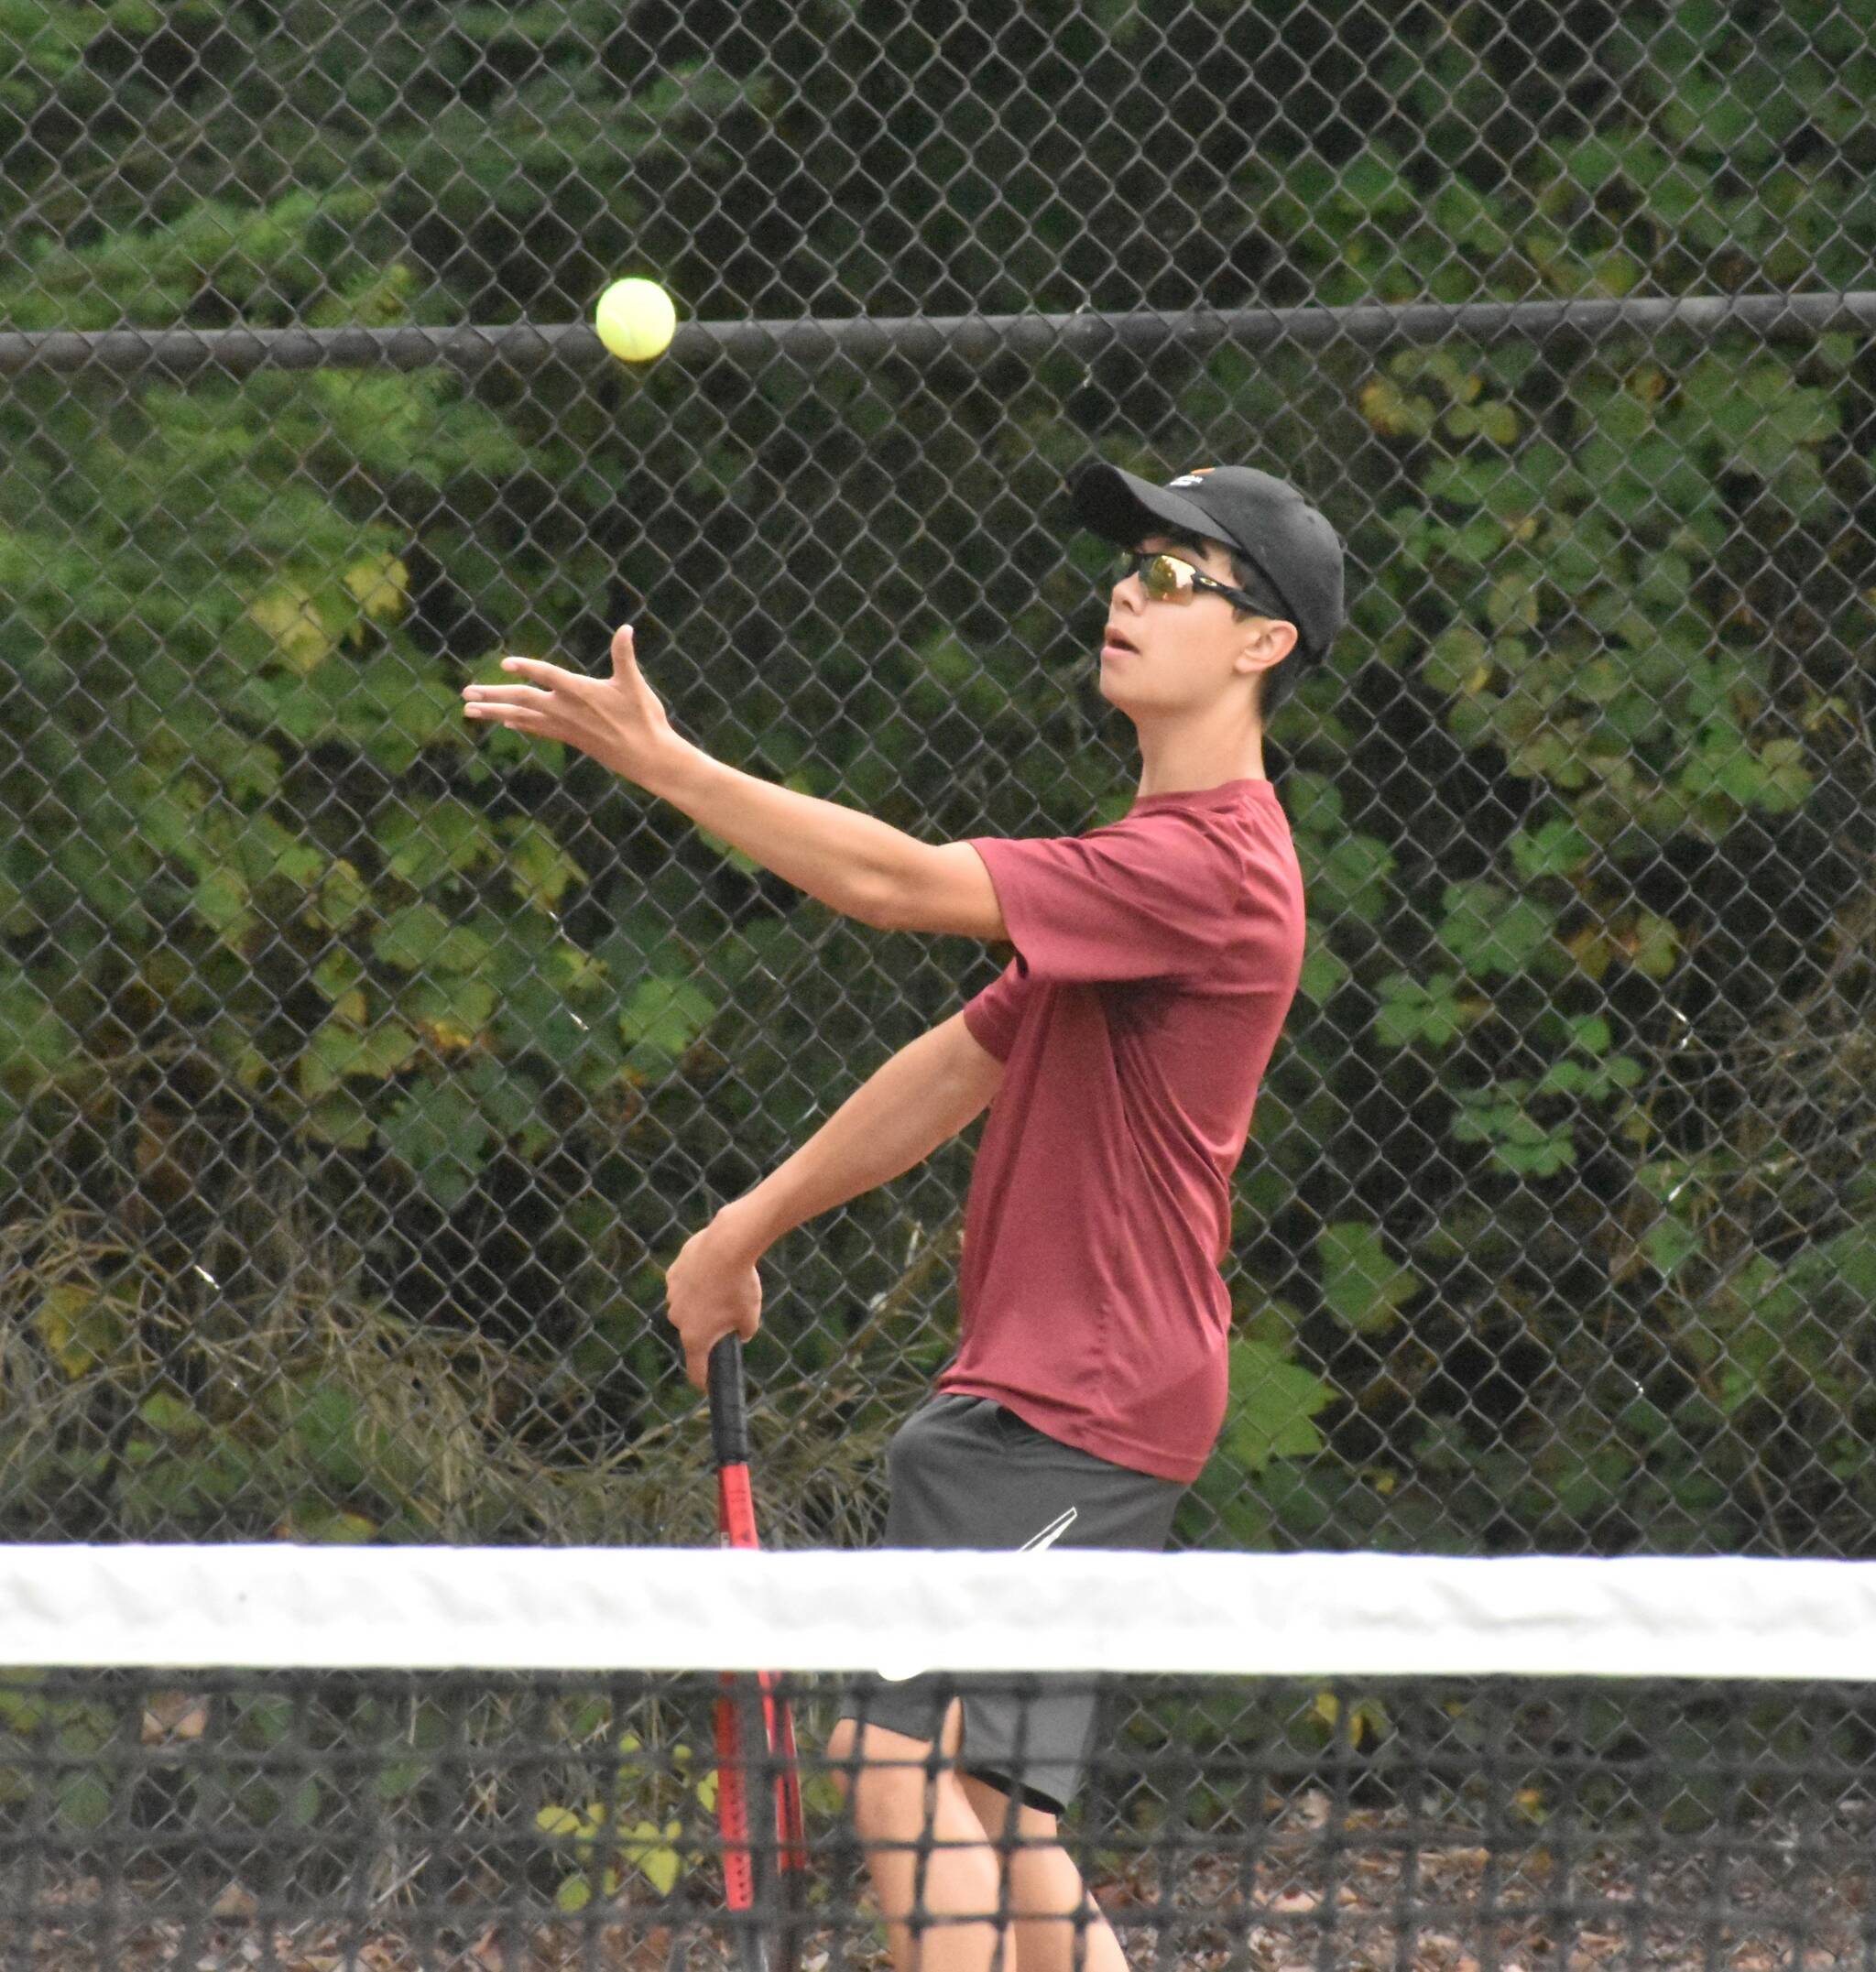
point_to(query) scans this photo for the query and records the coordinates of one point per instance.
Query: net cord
(277, 1605)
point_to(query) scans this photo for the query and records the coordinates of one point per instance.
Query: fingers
(697, 1352)
(540, 694)
(508, 694)
(697, 1361)
(523, 718)
(537, 707)
(524, 707)
(624, 651)
(538, 682)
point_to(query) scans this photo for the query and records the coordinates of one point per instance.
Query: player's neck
(1190, 762)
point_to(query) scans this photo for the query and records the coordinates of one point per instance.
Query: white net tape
(275, 1605)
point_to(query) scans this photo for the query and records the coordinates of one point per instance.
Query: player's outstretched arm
(924, 1095)
(942, 888)
(835, 853)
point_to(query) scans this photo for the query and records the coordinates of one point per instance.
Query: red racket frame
(765, 1856)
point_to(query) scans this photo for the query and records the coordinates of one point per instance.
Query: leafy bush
(357, 1078)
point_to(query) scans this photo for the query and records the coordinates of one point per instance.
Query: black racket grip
(729, 1403)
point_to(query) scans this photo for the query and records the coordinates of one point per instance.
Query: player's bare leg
(1056, 1925)
(926, 1850)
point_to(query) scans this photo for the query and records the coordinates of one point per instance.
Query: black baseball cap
(1264, 519)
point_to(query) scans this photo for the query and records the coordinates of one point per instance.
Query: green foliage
(290, 1763)
(651, 1824)
(484, 1033)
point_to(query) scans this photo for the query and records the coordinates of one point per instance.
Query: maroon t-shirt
(1156, 959)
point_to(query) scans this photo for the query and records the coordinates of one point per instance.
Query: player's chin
(1116, 686)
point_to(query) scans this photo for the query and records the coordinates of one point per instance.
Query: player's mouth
(1114, 643)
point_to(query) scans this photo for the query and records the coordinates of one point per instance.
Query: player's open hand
(712, 1290)
(619, 720)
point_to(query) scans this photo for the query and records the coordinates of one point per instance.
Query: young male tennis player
(1121, 1052)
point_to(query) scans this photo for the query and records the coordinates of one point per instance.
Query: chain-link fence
(359, 1071)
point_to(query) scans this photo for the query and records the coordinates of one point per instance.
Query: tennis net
(317, 1759)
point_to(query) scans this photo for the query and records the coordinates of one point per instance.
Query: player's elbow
(876, 902)
(942, 888)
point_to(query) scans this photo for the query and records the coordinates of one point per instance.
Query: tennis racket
(758, 1787)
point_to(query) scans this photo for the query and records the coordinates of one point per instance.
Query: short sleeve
(1150, 895)
(993, 1016)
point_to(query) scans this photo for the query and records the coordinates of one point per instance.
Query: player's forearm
(832, 853)
(891, 1123)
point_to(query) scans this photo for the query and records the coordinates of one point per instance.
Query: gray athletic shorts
(965, 1472)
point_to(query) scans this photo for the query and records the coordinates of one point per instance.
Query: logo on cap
(1193, 477)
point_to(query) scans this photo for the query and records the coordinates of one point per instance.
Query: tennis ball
(636, 320)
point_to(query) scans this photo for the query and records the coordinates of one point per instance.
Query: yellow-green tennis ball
(636, 320)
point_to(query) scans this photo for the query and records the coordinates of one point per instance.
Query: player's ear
(1263, 634)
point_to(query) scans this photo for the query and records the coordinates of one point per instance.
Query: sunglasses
(1167, 579)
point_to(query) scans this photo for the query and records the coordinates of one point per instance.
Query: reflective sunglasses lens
(1165, 578)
